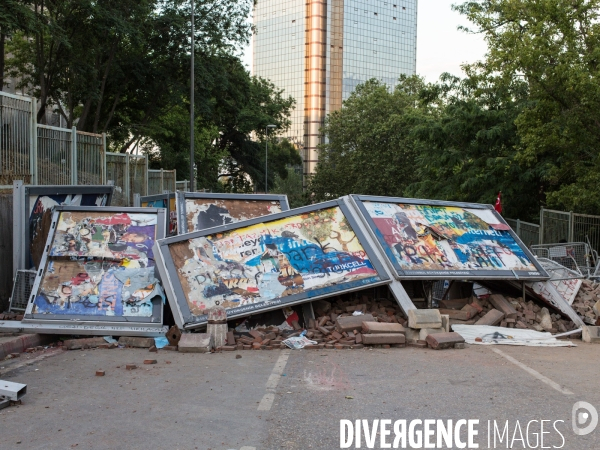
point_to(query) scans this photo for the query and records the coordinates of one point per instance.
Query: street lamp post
(267, 152)
(192, 174)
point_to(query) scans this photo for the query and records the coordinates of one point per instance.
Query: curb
(20, 343)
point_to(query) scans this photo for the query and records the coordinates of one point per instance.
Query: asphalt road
(294, 399)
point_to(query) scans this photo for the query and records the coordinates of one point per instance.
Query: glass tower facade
(318, 51)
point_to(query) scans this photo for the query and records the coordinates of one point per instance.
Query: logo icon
(583, 413)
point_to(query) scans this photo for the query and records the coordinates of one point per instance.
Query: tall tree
(552, 45)
(369, 148)
(15, 16)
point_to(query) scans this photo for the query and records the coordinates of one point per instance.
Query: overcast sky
(440, 46)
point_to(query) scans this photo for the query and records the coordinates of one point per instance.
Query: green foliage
(291, 186)
(122, 67)
(554, 47)
(369, 149)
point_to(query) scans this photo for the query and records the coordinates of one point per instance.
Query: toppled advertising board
(166, 201)
(32, 215)
(425, 239)
(199, 210)
(98, 266)
(266, 263)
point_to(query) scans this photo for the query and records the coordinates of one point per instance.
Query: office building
(318, 51)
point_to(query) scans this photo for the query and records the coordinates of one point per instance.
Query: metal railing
(576, 256)
(528, 232)
(16, 137)
(161, 180)
(182, 185)
(54, 160)
(129, 175)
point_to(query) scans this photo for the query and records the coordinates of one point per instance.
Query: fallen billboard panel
(166, 201)
(32, 214)
(426, 239)
(266, 263)
(198, 211)
(98, 266)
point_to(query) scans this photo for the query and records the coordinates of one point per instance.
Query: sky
(440, 46)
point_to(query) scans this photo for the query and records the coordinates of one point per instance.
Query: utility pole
(192, 175)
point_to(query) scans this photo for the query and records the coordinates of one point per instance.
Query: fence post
(103, 163)
(571, 227)
(519, 227)
(127, 179)
(33, 161)
(162, 180)
(147, 177)
(541, 225)
(74, 155)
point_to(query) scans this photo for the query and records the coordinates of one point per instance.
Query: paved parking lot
(292, 399)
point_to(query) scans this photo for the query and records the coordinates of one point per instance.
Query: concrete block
(424, 332)
(441, 341)
(454, 304)
(138, 342)
(218, 333)
(591, 334)
(492, 317)
(196, 343)
(411, 335)
(383, 338)
(377, 327)
(503, 305)
(456, 314)
(446, 322)
(424, 318)
(351, 323)
(76, 344)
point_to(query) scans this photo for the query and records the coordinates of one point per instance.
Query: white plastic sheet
(508, 336)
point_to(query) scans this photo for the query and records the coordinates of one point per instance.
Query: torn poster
(426, 239)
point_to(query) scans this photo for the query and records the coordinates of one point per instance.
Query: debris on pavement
(488, 335)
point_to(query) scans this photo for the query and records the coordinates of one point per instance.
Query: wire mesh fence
(161, 180)
(54, 155)
(576, 256)
(182, 185)
(138, 176)
(90, 158)
(556, 226)
(15, 138)
(116, 173)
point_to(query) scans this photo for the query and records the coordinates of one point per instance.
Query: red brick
(150, 361)
(439, 341)
(383, 338)
(99, 373)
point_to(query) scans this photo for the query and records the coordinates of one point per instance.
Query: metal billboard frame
(156, 320)
(181, 196)
(21, 198)
(166, 195)
(178, 300)
(465, 274)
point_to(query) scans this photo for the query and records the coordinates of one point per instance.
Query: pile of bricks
(498, 310)
(429, 328)
(587, 302)
(335, 327)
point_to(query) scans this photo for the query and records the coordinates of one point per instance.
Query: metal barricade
(16, 138)
(576, 256)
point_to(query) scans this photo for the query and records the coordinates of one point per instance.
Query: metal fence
(528, 232)
(129, 175)
(54, 155)
(576, 256)
(16, 137)
(555, 226)
(91, 150)
(182, 185)
(161, 180)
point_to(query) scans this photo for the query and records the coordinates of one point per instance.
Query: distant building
(318, 51)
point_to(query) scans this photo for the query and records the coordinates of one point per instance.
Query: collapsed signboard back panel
(424, 239)
(98, 265)
(198, 210)
(266, 263)
(33, 206)
(166, 201)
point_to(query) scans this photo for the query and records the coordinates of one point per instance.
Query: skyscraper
(318, 51)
